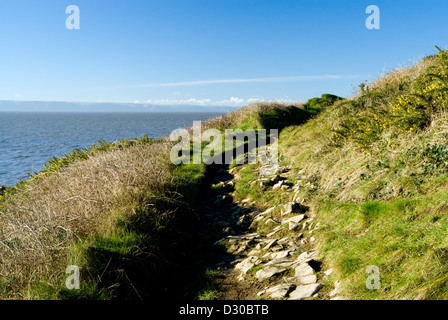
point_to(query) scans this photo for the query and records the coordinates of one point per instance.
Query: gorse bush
(399, 107)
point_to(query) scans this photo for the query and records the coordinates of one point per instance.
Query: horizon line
(120, 102)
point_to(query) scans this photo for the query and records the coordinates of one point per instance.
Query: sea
(30, 139)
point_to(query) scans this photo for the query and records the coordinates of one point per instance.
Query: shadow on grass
(282, 117)
(162, 251)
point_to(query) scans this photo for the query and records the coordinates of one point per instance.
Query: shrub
(401, 107)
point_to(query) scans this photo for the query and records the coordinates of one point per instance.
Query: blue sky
(211, 52)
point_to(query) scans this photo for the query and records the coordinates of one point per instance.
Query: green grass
(210, 286)
(378, 163)
(405, 239)
(317, 105)
(376, 176)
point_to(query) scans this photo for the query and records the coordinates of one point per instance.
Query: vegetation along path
(251, 249)
(259, 253)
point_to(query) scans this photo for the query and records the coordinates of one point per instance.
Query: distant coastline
(62, 106)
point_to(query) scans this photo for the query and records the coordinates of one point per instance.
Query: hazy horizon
(66, 106)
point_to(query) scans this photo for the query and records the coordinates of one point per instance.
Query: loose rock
(269, 272)
(247, 264)
(280, 291)
(305, 291)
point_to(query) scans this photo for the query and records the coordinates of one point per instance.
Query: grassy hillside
(376, 177)
(373, 169)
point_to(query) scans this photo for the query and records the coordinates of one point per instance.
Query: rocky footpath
(272, 251)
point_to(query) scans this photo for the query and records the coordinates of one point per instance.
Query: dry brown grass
(398, 74)
(50, 213)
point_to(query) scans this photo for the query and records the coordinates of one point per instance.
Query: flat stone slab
(303, 270)
(281, 290)
(278, 185)
(277, 229)
(328, 272)
(254, 252)
(270, 244)
(248, 263)
(336, 289)
(280, 254)
(260, 217)
(302, 280)
(305, 291)
(267, 211)
(271, 221)
(307, 256)
(294, 222)
(231, 238)
(296, 219)
(283, 263)
(269, 272)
